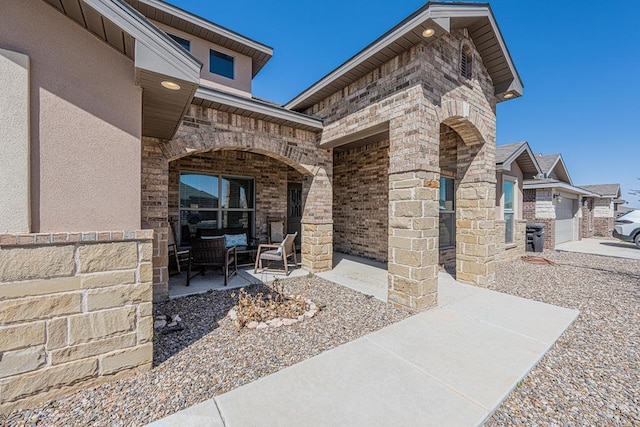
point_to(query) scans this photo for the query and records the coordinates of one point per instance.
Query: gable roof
(155, 55)
(521, 153)
(605, 190)
(553, 163)
(441, 17)
(197, 26)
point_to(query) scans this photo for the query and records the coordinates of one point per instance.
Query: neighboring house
(600, 210)
(623, 210)
(115, 106)
(553, 200)
(515, 163)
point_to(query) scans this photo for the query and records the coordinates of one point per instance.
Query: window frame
(179, 40)
(220, 54)
(513, 211)
(220, 210)
(451, 213)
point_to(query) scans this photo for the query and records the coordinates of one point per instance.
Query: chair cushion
(271, 255)
(235, 240)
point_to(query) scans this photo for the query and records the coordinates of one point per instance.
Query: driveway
(612, 248)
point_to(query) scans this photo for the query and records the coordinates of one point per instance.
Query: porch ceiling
(156, 58)
(442, 17)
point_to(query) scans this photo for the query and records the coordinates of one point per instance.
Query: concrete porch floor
(360, 274)
(449, 366)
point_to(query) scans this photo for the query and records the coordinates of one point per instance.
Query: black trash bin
(535, 237)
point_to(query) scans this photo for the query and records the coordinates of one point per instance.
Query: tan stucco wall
(14, 142)
(239, 85)
(85, 122)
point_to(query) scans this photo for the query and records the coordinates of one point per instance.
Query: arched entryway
(467, 195)
(252, 168)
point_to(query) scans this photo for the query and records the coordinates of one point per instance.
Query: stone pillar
(475, 214)
(317, 217)
(155, 195)
(413, 211)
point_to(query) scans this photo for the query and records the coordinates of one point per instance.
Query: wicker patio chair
(212, 253)
(279, 253)
(177, 256)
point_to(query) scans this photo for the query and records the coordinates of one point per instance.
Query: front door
(294, 210)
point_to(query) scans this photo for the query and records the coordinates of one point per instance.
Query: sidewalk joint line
(436, 379)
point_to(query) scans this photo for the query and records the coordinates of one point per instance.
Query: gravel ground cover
(591, 376)
(210, 356)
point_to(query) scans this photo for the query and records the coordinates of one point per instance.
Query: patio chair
(280, 253)
(212, 253)
(276, 230)
(179, 256)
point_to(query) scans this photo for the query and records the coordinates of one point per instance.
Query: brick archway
(215, 140)
(468, 144)
(466, 120)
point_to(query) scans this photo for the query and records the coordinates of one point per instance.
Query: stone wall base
(75, 311)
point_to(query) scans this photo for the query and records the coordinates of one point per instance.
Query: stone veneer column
(317, 218)
(155, 197)
(475, 214)
(413, 211)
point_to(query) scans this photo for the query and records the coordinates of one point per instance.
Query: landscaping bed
(591, 376)
(208, 355)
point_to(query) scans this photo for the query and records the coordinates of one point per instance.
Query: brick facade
(361, 200)
(75, 310)
(586, 226)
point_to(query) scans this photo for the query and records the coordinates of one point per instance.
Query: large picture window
(214, 201)
(508, 206)
(447, 226)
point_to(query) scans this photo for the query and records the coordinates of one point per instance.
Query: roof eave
(247, 104)
(529, 185)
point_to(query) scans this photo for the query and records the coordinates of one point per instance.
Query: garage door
(564, 221)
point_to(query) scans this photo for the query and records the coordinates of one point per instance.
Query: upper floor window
(186, 44)
(221, 64)
(466, 59)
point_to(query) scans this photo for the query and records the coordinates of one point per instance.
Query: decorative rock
(276, 323)
(252, 325)
(163, 317)
(301, 318)
(172, 324)
(262, 325)
(233, 315)
(289, 322)
(176, 318)
(159, 324)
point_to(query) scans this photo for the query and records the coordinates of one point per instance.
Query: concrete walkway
(604, 247)
(363, 275)
(449, 366)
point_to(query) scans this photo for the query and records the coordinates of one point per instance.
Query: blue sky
(579, 60)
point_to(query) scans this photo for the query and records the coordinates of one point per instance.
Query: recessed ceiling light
(170, 85)
(508, 95)
(428, 32)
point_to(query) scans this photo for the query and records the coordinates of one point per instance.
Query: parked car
(627, 227)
